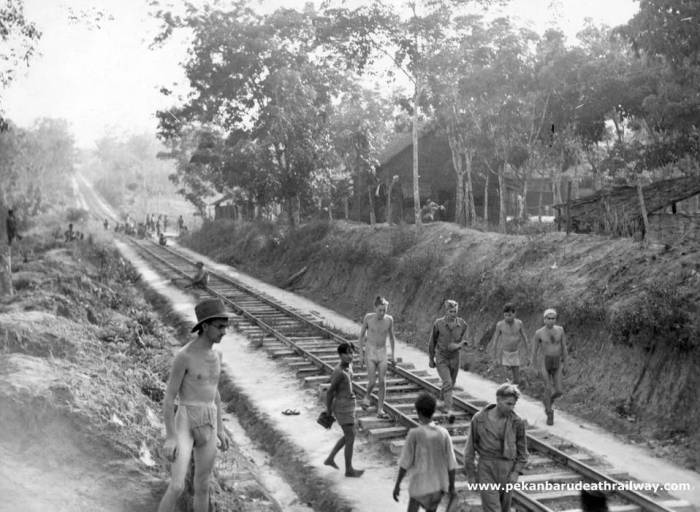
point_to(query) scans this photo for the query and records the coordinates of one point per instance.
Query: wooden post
(568, 207)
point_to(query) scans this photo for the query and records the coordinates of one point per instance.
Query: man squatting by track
(197, 425)
(376, 327)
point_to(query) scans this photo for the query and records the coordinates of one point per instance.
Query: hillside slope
(630, 311)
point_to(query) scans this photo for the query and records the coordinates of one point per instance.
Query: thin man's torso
(510, 334)
(201, 378)
(377, 330)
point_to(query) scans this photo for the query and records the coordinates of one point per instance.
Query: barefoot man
(446, 342)
(506, 343)
(550, 358)
(376, 327)
(197, 425)
(340, 399)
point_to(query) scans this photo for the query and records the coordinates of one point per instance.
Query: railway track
(307, 347)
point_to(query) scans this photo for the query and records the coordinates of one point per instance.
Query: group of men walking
(496, 437)
(496, 434)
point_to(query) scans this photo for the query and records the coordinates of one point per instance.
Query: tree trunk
(414, 132)
(372, 216)
(357, 192)
(460, 206)
(539, 204)
(642, 207)
(6, 272)
(389, 189)
(568, 207)
(501, 201)
(294, 211)
(346, 208)
(486, 199)
(470, 190)
(523, 209)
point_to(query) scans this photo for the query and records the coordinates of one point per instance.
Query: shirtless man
(200, 279)
(377, 326)
(506, 340)
(197, 425)
(550, 342)
(445, 344)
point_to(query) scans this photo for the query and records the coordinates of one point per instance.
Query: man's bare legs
(347, 441)
(371, 381)
(552, 391)
(204, 457)
(382, 387)
(185, 442)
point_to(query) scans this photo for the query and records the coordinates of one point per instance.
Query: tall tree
(409, 37)
(263, 75)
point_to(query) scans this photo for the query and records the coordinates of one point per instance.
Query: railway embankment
(630, 310)
(84, 359)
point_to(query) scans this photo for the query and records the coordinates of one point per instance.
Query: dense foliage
(278, 115)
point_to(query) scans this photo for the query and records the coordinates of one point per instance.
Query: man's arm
(220, 429)
(469, 453)
(397, 487)
(332, 390)
(564, 350)
(521, 450)
(431, 344)
(392, 340)
(363, 332)
(523, 337)
(177, 373)
(493, 346)
(536, 341)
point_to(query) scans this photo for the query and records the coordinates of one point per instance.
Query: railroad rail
(309, 348)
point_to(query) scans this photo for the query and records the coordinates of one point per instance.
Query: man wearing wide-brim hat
(195, 428)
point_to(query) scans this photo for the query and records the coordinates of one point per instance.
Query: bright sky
(106, 80)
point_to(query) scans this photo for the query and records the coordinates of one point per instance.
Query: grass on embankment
(630, 311)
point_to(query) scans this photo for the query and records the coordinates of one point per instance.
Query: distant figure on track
(201, 278)
(197, 425)
(180, 223)
(497, 435)
(162, 240)
(11, 226)
(106, 224)
(429, 453)
(550, 358)
(69, 234)
(506, 343)
(340, 402)
(376, 327)
(446, 342)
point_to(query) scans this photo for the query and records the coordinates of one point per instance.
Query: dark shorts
(551, 363)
